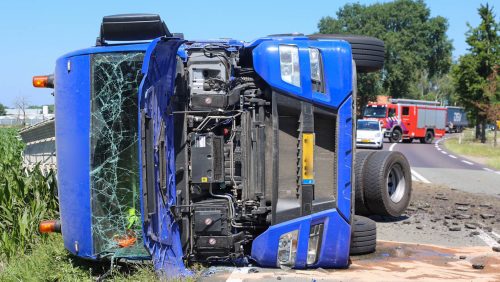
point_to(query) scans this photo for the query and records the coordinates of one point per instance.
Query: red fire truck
(405, 120)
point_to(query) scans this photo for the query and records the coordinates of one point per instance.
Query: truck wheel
(367, 52)
(396, 136)
(387, 183)
(364, 236)
(359, 165)
(429, 137)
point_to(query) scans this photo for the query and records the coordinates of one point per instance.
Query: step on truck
(405, 120)
(217, 151)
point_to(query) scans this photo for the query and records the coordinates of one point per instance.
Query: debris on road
(478, 266)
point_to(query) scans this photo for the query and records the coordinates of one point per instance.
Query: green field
(465, 145)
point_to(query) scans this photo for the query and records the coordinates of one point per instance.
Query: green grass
(49, 261)
(469, 147)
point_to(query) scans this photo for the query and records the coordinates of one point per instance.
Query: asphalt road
(431, 163)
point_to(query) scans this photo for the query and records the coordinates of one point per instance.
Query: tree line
(418, 57)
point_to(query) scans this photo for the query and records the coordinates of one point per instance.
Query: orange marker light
(43, 81)
(48, 226)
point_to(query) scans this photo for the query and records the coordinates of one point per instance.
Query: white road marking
(486, 238)
(487, 169)
(413, 178)
(443, 152)
(392, 146)
(452, 156)
(497, 172)
(419, 177)
(494, 233)
(467, 162)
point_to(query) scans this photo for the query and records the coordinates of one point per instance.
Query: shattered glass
(114, 176)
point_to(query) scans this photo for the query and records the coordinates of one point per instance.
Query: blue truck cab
(206, 151)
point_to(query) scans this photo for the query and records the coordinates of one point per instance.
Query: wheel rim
(396, 135)
(396, 184)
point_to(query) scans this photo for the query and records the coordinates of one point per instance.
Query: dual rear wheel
(383, 183)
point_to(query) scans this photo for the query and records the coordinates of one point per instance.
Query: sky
(33, 33)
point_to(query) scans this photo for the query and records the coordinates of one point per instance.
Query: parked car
(369, 134)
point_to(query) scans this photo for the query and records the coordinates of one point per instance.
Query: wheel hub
(396, 184)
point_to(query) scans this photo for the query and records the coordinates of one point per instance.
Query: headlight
(314, 243)
(289, 64)
(287, 249)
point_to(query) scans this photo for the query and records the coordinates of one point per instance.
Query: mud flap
(157, 161)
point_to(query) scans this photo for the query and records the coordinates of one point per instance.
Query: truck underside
(245, 156)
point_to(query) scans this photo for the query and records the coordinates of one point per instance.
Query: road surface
(432, 163)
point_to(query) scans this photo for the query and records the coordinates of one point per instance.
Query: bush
(26, 198)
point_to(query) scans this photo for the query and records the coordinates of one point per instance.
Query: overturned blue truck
(217, 151)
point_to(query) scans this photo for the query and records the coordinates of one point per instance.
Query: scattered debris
(470, 226)
(455, 228)
(487, 215)
(463, 216)
(496, 248)
(478, 266)
(474, 233)
(420, 227)
(462, 257)
(462, 208)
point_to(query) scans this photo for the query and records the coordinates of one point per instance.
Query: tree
(22, 104)
(476, 74)
(2, 110)
(417, 47)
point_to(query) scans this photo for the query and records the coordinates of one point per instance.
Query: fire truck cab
(404, 120)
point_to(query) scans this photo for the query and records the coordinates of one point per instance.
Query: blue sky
(35, 33)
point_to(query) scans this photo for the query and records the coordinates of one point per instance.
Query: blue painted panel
(334, 250)
(337, 62)
(345, 158)
(161, 233)
(72, 104)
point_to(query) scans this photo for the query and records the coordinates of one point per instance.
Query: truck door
(158, 186)
(405, 119)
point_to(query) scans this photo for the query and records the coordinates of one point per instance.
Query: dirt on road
(443, 216)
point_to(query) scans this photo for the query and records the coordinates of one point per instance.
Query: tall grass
(26, 198)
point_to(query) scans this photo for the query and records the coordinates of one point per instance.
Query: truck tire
(367, 52)
(396, 135)
(359, 165)
(364, 236)
(429, 137)
(387, 183)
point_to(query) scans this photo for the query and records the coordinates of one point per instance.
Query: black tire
(410, 140)
(364, 236)
(429, 137)
(367, 52)
(396, 135)
(387, 183)
(359, 164)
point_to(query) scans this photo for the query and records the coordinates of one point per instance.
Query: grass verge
(49, 261)
(468, 147)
